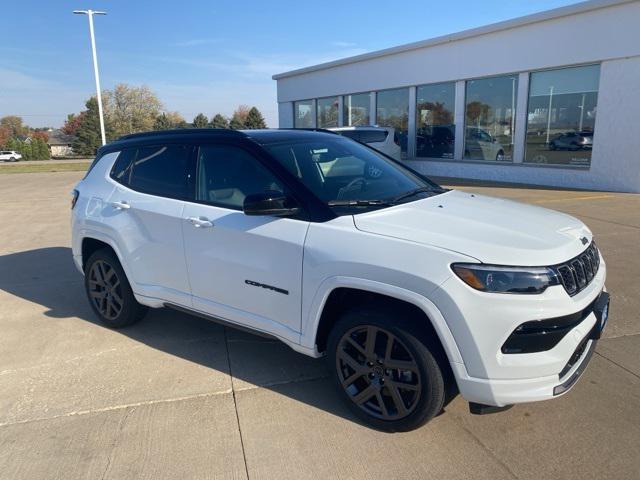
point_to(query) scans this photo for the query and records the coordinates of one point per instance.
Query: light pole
(90, 14)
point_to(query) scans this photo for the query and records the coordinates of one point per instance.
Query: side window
(161, 170)
(354, 135)
(122, 165)
(227, 174)
(373, 136)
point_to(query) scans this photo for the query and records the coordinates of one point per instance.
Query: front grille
(578, 272)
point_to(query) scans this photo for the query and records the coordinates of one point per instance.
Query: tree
(14, 123)
(88, 133)
(40, 149)
(200, 121)
(162, 122)
(236, 122)
(254, 119)
(72, 123)
(5, 135)
(219, 121)
(131, 109)
(41, 134)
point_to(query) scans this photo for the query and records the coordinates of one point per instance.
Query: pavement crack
(617, 364)
(235, 405)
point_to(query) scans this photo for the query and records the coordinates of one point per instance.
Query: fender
(308, 337)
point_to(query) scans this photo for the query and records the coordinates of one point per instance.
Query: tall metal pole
(549, 112)
(90, 14)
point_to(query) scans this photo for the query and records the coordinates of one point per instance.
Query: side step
(481, 409)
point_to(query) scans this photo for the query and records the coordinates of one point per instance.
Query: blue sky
(206, 56)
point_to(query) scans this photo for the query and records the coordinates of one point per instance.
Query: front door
(246, 269)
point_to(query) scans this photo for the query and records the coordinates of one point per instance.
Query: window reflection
(303, 114)
(327, 112)
(392, 110)
(490, 118)
(435, 129)
(356, 109)
(561, 115)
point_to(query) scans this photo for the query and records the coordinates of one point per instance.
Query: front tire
(387, 376)
(109, 291)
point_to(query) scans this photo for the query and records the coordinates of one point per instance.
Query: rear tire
(394, 383)
(109, 291)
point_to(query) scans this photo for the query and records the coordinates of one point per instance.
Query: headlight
(497, 279)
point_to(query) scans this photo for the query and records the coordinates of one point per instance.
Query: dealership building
(549, 99)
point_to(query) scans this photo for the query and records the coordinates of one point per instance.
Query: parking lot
(176, 396)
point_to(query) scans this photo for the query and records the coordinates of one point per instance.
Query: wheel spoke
(355, 345)
(401, 365)
(349, 360)
(370, 342)
(364, 395)
(97, 294)
(387, 353)
(404, 386)
(381, 403)
(398, 402)
(349, 380)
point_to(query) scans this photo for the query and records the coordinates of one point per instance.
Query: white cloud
(195, 42)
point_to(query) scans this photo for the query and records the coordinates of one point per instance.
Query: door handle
(200, 222)
(121, 205)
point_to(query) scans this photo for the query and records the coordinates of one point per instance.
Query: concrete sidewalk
(176, 396)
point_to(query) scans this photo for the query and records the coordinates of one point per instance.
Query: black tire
(420, 388)
(109, 292)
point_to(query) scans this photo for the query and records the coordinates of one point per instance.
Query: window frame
(190, 168)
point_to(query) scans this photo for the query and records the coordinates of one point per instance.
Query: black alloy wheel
(109, 292)
(378, 372)
(105, 290)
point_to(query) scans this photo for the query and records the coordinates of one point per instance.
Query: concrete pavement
(179, 397)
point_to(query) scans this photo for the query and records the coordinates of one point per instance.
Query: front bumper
(507, 392)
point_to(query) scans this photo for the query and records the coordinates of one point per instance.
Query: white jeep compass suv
(407, 288)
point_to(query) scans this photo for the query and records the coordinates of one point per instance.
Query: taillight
(74, 198)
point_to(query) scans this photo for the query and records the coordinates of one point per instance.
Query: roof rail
(309, 129)
(185, 131)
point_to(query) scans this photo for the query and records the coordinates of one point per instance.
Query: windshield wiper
(357, 203)
(415, 191)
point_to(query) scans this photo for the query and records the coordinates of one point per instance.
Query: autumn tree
(14, 123)
(44, 136)
(72, 123)
(219, 121)
(130, 109)
(200, 121)
(254, 119)
(5, 135)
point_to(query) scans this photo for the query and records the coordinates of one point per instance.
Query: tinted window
(327, 112)
(161, 170)
(227, 174)
(435, 106)
(373, 136)
(303, 114)
(336, 169)
(122, 166)
(393, 111)
(490, 118)
(562, 115)
(353, 134)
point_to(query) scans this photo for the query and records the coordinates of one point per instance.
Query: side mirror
(270, 203)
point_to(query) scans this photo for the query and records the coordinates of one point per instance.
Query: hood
(491, 230)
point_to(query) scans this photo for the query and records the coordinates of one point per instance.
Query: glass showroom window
(490, 118)
(435, 134)
(327, 112)
(303, 114)
(356, 109)
(392, 109)
(561, 115)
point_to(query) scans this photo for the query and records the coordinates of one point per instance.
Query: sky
(206, 56)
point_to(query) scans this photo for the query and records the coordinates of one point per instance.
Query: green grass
(40, 168)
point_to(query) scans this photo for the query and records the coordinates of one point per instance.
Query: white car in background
(383, 139)
(10, 156)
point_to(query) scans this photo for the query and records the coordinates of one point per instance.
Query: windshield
(344, 173)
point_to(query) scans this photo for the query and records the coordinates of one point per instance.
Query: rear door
(146, 214)
(246, 269)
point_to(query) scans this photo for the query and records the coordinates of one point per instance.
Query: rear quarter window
(161, 170)
(373, 136)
